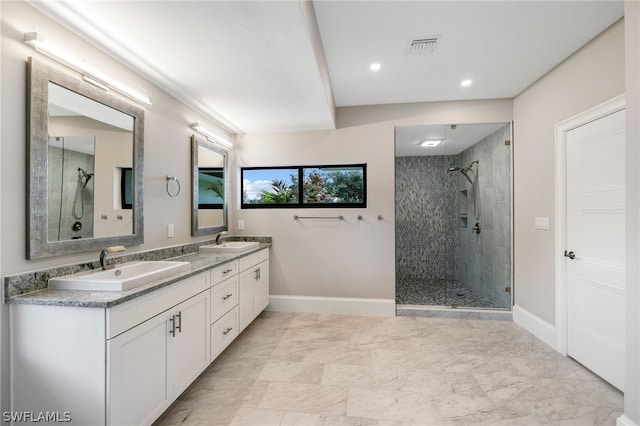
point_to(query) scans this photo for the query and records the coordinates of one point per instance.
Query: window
(304, 186)
(126, 188)
(210, 188)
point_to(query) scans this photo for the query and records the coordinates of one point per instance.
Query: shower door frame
(509, 309)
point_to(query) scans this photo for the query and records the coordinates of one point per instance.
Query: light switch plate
(170, 231)
(542, 223)
(240, 224)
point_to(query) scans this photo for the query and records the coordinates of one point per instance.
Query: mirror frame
(39, 76)
(197, 142)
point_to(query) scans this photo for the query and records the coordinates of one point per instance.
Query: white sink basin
(122, 277)
(230, 247)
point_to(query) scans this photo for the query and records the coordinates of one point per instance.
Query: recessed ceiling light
(465, 83)
(430, 143)
(375, 66)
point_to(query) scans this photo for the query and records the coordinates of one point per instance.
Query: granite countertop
(200, 262)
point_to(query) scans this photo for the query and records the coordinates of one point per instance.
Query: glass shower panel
(453, 216)
(484, 217)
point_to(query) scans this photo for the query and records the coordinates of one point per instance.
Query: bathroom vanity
(116, 358)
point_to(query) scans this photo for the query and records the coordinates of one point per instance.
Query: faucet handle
(115, 249)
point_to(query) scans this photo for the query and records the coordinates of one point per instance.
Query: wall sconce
(211, 137)
(89, 74)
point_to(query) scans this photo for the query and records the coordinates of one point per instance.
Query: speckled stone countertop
(200, 262)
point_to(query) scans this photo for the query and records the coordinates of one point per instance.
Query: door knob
(571, 255)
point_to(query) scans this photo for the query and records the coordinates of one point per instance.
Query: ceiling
(264, 66)
(454, 138)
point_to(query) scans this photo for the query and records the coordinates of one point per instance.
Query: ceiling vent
(422, 45)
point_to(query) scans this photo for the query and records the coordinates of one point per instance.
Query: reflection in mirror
(209, 187)
(70, 170)
(81, 139)
(453, 216)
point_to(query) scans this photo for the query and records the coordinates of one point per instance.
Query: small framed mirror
(209, 187)
(84, 155)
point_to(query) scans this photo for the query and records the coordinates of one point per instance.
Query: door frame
(606, 108)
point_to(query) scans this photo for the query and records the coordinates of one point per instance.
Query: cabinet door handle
(172, 331)
(179, 326)
(227, 331)
(226, 271)
(226, 296)
(257, 272)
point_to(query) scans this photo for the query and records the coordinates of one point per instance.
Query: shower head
(464, 172)
(84, 176)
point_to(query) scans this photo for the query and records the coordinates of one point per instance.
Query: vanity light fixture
(465, 83)
(430, 143)
(211, 137)
(89, 73)
(95, 83)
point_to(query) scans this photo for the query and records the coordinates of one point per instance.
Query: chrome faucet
(220, 236)
(103, 255)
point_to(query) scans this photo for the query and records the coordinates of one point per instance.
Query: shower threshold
(438, 311)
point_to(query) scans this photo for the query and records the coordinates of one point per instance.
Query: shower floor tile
(439, 293)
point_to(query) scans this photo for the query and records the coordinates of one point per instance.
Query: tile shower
(439, 260)
(63, 225)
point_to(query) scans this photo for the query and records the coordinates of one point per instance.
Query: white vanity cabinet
(254, 286)
(238, 299)
(224, 307)
(117, 366)
(126, 364)
(149, 366)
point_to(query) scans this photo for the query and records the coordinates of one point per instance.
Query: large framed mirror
(85, 166)
(209, 187)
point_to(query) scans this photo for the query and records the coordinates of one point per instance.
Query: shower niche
(462, 207)
(453, 216)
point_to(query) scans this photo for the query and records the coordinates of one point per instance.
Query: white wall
(167, 148)
(591, 76)
(167, 152)
(349, 259)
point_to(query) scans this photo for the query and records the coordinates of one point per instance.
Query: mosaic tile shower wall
(426, 234)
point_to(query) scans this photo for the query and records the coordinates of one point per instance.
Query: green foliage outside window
(322, 186)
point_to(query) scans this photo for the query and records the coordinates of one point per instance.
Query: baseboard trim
(536, 326)
(332, 305)
(623, 420)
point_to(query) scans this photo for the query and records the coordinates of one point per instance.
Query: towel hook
(175, 179)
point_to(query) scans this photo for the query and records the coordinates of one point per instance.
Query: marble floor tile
(360, 376)
(323, 370)
(392, 405)
(318, 399)
(289, 371)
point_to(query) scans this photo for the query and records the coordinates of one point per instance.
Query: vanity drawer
(224, 297)
(223, 272)
(223, 332)
(122, 317)
(253, 259)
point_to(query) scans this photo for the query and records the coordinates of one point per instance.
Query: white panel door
(596, 246)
